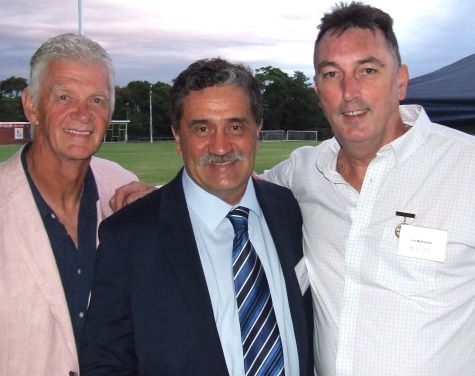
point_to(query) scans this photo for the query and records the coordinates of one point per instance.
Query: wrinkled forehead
(352, 43)
(92, 73)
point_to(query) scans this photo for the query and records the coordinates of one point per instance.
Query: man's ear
(29, 108)
(259, 129)
(403, 78)
(176, 135)
(315, 87)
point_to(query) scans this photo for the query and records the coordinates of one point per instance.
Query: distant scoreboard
(14, 132)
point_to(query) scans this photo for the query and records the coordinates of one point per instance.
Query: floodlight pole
(150, 100)
(81, 31)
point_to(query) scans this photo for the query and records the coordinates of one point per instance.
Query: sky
(155, 40)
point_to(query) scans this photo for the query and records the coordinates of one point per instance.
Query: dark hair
(356, 14)
(214, 72)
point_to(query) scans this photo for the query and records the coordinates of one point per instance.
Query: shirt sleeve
(279, 174)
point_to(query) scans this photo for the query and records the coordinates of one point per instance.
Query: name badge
(422, 243)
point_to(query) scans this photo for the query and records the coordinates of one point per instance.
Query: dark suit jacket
(150, 311)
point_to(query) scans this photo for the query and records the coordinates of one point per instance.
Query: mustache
(233, 156)
(356, 105)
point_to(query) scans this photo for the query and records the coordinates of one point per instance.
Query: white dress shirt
(214, 236)
(376, 312)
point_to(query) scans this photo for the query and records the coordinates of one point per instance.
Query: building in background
(14, 132)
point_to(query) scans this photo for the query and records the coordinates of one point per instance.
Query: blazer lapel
(186, 265)
(276, 218)
(35, 249)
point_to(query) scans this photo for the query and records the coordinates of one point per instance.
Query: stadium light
(81, 31)
(150, 100)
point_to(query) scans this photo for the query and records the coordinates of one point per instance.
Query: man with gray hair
(54, 195)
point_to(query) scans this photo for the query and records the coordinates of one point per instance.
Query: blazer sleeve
(109, 176)
(108, 344)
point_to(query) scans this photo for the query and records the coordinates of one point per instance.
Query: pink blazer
(36, 335)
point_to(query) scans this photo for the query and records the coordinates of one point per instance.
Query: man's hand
(129, 193)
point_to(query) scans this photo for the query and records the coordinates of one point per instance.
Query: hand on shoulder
(129, 193)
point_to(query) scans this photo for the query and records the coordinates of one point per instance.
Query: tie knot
(238, 217)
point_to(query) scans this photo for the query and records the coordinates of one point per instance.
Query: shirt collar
(89, 195)
(403, 147)
(41, 204)
(211, 209)
(327, 158)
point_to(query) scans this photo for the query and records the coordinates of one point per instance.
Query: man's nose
(220, 143)
(350, 88)
(83, 112)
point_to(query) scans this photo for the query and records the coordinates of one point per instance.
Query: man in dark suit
(199, 277)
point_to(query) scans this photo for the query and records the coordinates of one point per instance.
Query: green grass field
(157, 163)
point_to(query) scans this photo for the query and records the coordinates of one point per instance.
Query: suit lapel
(177, 231)
(276, 218)
(35, 249)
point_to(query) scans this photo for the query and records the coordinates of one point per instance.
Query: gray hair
(71, 47)
(214, 72)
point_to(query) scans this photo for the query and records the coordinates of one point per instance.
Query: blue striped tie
(262, 347)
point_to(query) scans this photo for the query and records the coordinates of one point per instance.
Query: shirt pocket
(406, 276)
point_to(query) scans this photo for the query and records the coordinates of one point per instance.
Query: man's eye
(237, 128)
(369, 70)
(63, 97)
(331, 74)
(98, 100)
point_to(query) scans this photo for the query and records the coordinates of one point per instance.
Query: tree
(275, 85)
(160, 109)
(132, 103)
(11, 109)
(12, 86)
(304, 113)
(289, 102)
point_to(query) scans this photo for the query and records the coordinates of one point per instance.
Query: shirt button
(53, 216)
(81, 315)
(79, 271)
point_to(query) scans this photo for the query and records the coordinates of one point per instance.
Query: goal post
(117, 131)
(302, 135)
(272, 135)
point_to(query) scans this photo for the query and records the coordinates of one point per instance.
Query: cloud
(155, 40)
